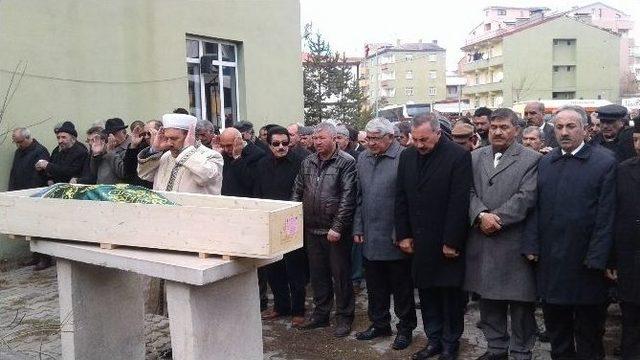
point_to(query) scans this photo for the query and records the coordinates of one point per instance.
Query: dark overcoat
(572, 226)
(432, 205)
(67, 164)
(23, 171)
(627, 235)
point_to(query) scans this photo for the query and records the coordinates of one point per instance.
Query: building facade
(499, 18)
(610, 18)
(404, 74)
(87, 61)
(545, 57)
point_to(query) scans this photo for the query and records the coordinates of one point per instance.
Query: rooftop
(378, 49)
(526, 25)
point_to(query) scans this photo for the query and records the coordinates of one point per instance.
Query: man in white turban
(176, 162)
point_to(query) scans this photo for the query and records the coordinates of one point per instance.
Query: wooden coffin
(204, 224)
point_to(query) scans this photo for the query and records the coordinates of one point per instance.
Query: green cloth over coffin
(122, 193)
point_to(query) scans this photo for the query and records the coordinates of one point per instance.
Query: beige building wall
(529, 65)
(411, 75)
(89, 60)
(595, 61)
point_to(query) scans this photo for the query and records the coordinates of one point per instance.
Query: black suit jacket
(627, 233)
(432, 206)
(238, 175)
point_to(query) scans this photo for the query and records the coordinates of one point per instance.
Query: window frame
(219, 64)
(408, 75)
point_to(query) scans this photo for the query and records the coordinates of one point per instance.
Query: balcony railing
(482, 63)
(482, 88)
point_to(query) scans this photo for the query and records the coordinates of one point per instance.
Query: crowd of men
(513, 213)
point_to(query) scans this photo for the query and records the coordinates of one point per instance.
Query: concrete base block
(216, 321)
(101, 312)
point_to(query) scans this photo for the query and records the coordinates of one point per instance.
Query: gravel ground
(30, 323)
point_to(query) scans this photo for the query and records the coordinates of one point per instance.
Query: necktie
(496, 159)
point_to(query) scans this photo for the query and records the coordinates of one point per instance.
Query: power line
(85, 81)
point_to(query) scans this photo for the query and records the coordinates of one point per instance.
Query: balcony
(482, 64)
(482, 88)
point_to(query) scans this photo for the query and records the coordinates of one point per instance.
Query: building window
(409, 75)
(569, 42)
(555, 42)
(433, 57)
(212, 73)
(387, 59)
(389, 92)
(502, 12)
(408, 91)
(408, 57)
(387, 75)
(487, 27)
(432, 74)
(563, 95)
(432, 91)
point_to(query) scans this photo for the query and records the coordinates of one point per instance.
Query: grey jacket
(374, 217)
(109, 167)
(495, 267)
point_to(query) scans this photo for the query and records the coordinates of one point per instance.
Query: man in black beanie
(67, 158)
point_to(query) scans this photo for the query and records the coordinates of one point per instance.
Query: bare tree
(14, 84)
(629, 84)
(521, 87)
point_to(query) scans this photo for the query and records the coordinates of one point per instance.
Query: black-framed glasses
(278, 143)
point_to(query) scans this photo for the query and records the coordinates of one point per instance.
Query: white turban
(178, 121)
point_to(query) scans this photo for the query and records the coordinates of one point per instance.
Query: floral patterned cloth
(122, 193)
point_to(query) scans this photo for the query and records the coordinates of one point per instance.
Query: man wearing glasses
(534, 114)
(139, 140)
(275, 174)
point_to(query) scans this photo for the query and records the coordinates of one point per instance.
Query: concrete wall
(528, 61)
(88, 60)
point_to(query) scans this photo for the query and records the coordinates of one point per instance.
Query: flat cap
(305, 130)
(611, 112)
(461, 129)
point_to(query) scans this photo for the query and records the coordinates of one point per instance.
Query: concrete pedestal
(221, 318)
(101, 312)
(214, 306)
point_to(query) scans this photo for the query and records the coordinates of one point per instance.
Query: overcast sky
(349, 24)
